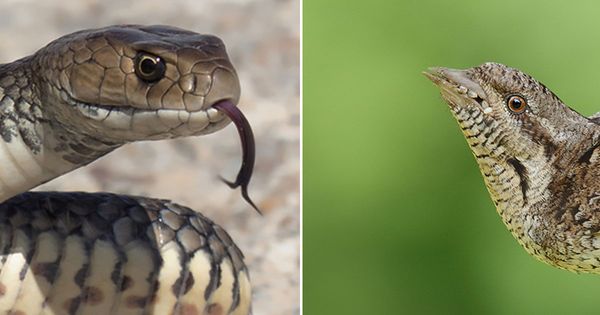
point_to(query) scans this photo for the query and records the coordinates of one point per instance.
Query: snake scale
(75, 100)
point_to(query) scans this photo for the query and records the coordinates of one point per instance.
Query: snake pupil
(149, 68)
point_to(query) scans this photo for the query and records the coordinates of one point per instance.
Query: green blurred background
(396, 216)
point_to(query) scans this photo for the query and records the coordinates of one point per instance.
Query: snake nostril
(225, 86)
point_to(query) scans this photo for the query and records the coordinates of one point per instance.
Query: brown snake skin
(75, 100)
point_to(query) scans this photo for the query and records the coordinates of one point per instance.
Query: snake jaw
(133, 124)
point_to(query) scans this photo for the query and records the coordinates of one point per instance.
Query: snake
(78, 98)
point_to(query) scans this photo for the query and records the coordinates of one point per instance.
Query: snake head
(126, 83)
(131, 82)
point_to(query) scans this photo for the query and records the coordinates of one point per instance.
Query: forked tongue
(247, 138)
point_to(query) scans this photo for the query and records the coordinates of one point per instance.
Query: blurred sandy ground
(262, 37)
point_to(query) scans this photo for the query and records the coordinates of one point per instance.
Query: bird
(539, 158)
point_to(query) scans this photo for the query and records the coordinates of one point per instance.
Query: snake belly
(73, 101)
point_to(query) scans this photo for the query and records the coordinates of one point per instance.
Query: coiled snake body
(76, 99)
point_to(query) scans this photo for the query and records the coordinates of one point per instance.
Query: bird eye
(516, 103)
(149, 68)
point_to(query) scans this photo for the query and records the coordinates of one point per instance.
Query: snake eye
(149, 68)
(516, 103)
